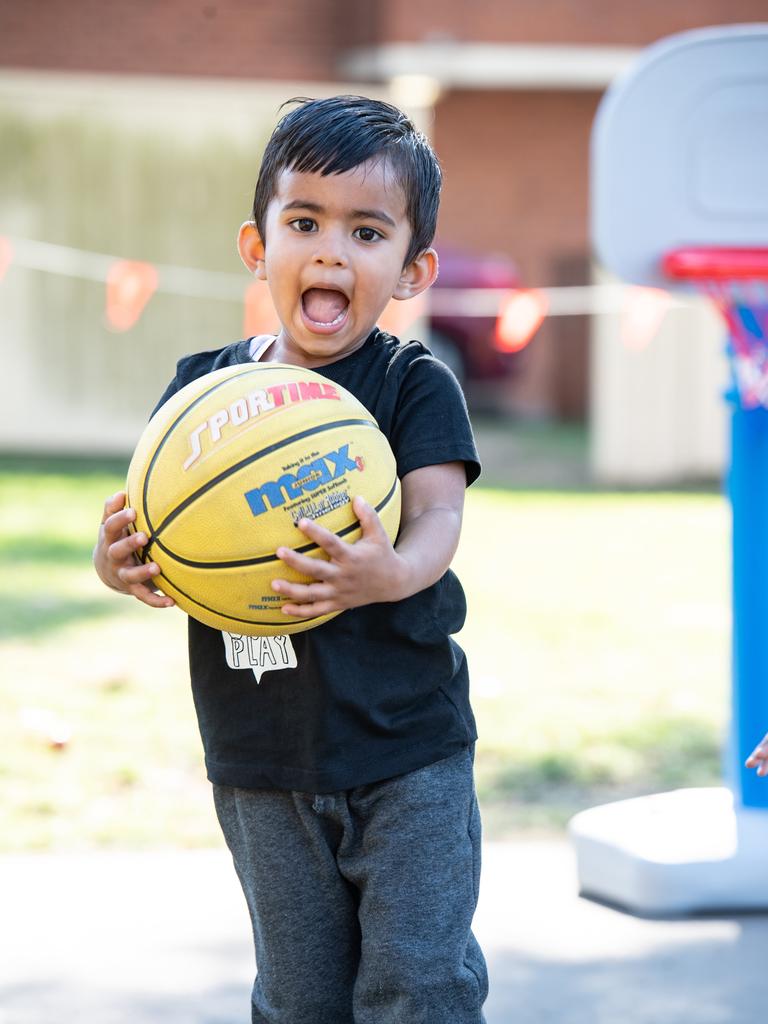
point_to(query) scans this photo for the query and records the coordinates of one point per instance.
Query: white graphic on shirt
(259, 653)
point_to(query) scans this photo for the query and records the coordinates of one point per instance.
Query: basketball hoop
(737, 282)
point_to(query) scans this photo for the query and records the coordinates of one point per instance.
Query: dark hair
(334, 135)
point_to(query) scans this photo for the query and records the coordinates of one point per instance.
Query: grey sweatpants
(362, 901)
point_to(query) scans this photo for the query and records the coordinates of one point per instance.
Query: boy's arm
(115, 555)
(430, 523)
(371, 570)
(759, 757)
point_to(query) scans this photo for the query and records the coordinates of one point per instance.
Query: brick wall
(517, 182)
(516, 172)
(302, 39)
(289, 39)
(611, 22)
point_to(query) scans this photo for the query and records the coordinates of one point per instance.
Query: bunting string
(519, 313)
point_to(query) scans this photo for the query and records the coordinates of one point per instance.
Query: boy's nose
(327, 259)
(330, 253)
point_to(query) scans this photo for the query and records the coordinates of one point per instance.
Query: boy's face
(333, 258)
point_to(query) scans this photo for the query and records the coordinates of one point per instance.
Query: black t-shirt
(379, 690)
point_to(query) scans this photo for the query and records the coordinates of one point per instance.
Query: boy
(343, 782)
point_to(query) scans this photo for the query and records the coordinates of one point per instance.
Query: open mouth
(324, 307)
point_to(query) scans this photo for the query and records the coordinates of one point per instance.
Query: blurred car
(465, 342)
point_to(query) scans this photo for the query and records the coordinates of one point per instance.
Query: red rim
(704, 263)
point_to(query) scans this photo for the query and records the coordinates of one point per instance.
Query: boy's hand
(759, 757)
(355, 574)
(372, 570)
(115, 555)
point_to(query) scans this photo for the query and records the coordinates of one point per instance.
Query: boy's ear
(417, 275)
(251, 249)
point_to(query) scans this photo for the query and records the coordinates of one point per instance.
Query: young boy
(343, 781)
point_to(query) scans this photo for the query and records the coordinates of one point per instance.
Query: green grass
(109, 670)
(597, 639)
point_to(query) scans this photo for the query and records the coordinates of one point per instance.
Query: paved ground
(116, 939)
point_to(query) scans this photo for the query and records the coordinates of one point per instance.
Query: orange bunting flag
(6, 255)
(260, 314)
(644, 309)
(521, 314)
(400, 315)
(130, 286)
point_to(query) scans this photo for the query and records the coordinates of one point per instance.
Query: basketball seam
(263, 559)
(187, 408)
(231, 470)
(235, 618)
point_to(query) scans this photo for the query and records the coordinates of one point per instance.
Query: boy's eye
(367, 234)
(303, 224)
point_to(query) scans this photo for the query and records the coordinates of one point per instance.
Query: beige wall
(657, 414)
(157, 170)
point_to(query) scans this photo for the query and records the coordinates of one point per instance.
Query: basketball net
(744, 307)
(736, 280)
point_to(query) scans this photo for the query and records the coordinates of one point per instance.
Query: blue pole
(748, 490)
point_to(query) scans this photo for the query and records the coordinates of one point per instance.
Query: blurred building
(507, 90)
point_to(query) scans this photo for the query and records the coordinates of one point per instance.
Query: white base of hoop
(681, 852)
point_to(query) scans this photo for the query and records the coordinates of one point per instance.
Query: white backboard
(680, 151)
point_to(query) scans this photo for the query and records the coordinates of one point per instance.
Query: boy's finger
(368, 518)
(316, 568)
(138, 573)
(154, 598)
(117, 523)
(113, 504)
(302, 592)
(127, 547)
(308, 611)
(328, 541)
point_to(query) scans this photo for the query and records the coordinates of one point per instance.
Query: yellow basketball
(226, 468)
